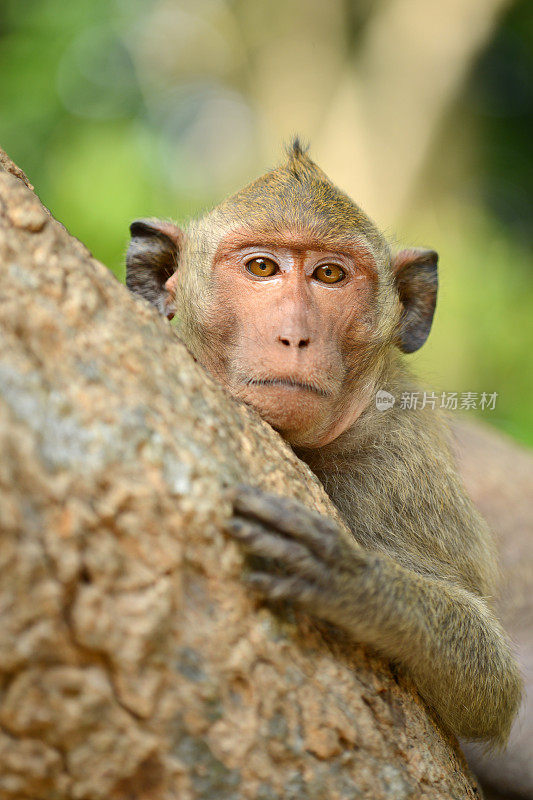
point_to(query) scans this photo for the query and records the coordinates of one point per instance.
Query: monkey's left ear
(152, 258)
(416, 278)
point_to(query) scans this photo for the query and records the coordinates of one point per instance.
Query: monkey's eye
(262, 267)
(329, 273)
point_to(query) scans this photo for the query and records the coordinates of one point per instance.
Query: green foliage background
(76, 115)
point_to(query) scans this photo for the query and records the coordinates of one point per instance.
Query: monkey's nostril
(293, 342)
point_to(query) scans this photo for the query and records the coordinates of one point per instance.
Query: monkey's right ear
(152, 258)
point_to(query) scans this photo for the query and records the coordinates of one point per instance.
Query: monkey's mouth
(289, 383)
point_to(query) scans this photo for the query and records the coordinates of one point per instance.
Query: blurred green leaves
(96, 76)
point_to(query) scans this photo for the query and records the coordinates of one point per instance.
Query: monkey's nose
(293, 342)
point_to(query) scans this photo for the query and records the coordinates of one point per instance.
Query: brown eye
(262, 267)
(329, 273)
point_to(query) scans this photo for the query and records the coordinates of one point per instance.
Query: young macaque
(289, 296)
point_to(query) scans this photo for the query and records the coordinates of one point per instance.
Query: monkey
(289, 296)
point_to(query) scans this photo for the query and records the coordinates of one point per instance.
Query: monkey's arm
(444, 635)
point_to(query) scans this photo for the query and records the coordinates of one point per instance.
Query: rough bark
(134, 663)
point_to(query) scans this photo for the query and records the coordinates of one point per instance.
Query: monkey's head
(287, 293)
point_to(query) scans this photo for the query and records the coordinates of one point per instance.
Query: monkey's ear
(416, 278)
(152, 258)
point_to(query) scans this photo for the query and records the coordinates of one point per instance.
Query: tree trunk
(134, 662)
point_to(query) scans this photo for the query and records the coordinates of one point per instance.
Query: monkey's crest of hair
(296, 148)
(298, 161)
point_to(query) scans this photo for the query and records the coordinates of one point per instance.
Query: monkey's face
(292, 322)
(286, 293)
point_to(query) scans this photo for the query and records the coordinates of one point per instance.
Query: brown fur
(417, 580)
(498, 474)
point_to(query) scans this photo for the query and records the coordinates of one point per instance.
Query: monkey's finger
(260, 541)
(295, 589)
(290, 517)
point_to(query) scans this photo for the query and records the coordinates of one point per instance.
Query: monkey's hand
(442, 633)
(300, 556)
